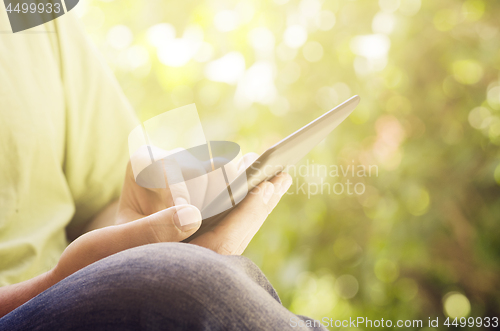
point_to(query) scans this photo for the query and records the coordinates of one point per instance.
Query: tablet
(277, 158)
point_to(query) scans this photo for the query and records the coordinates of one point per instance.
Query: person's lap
(168, 286)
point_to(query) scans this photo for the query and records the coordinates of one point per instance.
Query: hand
(137, 201)
(233, 234)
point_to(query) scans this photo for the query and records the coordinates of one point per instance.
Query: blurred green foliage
(422, 240)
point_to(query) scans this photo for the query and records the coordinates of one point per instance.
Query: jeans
(167, 286)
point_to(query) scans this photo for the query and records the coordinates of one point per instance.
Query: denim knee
(174, 267)
(182, 268)
(181, 283)
(198, 265)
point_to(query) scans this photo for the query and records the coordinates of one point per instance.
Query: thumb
(173, 224)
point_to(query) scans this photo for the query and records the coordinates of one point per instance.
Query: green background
(422, 240)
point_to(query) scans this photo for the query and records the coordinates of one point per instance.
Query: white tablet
(277, 158)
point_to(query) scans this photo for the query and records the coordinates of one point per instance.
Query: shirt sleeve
(99, 119)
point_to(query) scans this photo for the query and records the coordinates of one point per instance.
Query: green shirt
(64, 124)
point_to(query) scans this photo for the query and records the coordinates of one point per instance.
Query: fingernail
(285, 186)
(187, 218)
(180, 201)
(268, 192)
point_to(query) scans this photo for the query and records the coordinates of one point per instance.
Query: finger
(270, 198)
(173, 224)
(153, 188)
(174, 166)
(282, 183)
(139, 199)
(195, 179)
(236, 230)
(175, 181)
(141, 160)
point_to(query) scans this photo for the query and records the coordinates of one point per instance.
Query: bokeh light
(386, 270)
(456, 305)
(346, 286)
(227, 69)
(119, 37)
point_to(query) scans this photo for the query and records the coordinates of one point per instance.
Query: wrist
(15, 295)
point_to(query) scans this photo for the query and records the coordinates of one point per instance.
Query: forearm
(85, 250)
(13, 296)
